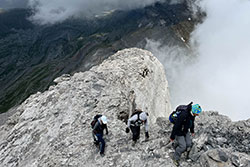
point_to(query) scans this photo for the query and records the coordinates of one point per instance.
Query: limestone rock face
(141, 77)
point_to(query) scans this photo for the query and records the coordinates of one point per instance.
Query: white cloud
(224, 48)
(177, 62)
(219, 79)
(51, 11)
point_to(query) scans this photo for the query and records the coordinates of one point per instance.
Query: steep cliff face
(53, 128)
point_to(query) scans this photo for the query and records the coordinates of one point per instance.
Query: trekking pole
(169, 144)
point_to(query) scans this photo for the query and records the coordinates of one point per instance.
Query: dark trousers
(136, 132)
(183, 143)
(101, 141)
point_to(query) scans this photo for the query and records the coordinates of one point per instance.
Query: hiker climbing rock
(135, 121)
(100, 123)
(183, 119)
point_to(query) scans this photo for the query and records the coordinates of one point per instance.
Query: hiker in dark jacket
(98, 128)
(134, 123)
(182, 128)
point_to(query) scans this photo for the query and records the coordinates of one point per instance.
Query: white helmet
(104, 119)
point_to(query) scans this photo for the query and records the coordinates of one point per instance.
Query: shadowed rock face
(53, 128)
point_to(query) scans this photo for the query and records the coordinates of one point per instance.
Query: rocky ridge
(52, 128)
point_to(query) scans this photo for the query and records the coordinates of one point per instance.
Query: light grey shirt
(134, 119)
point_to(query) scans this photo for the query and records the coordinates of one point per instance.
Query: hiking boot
(133, 143)
(176, 162)
(102, 154)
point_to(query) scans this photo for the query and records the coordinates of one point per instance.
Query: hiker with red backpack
(137, 119)
(98, 124)
(183, 119)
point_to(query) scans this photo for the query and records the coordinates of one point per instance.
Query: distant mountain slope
(13, 20)
(31, 56)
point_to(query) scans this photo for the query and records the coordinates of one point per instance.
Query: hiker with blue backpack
(137, 119)
(98, 124)
(183, 119)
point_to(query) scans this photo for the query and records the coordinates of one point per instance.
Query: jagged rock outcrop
(52, 128)
(221, 142)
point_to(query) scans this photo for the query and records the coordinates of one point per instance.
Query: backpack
(137, 112)
(138, 122)
(175, 114)
(95, 119)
